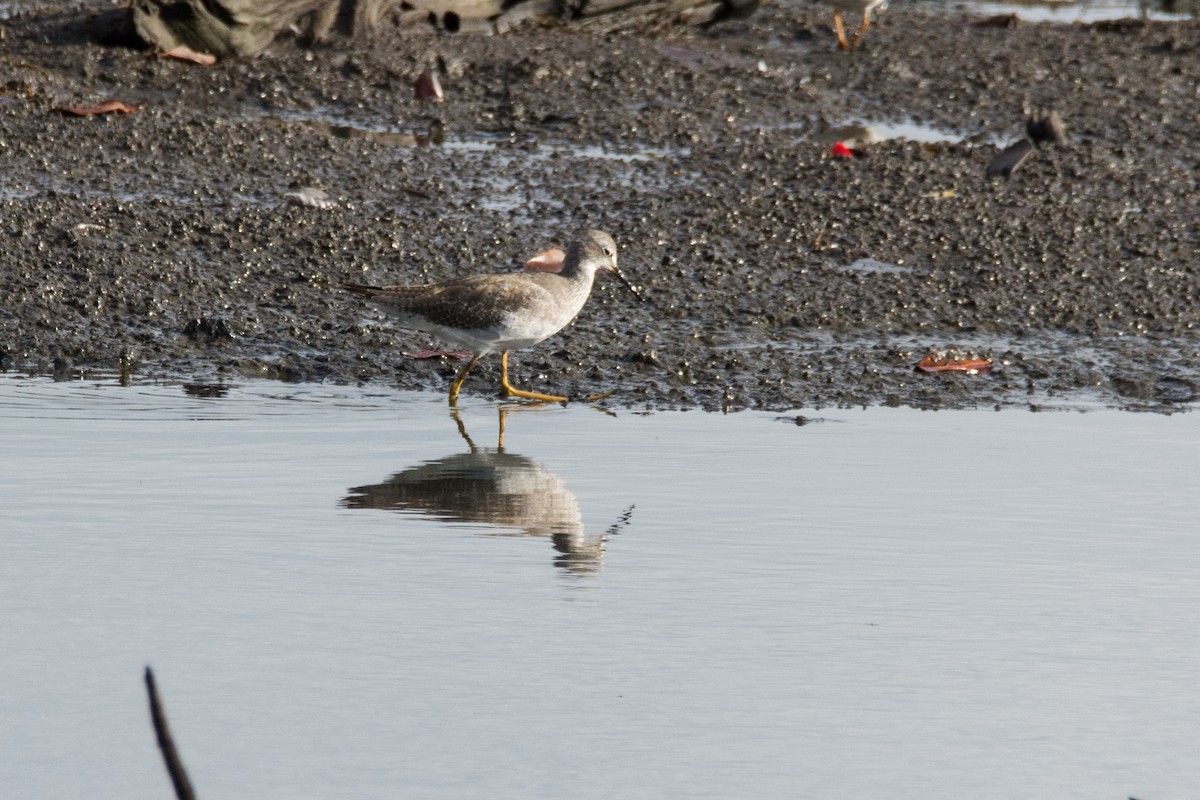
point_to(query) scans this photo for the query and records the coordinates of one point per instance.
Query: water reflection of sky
(871, 604)
(1083, 11)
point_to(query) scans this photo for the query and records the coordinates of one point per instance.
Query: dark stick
(1010, 158)
(183, 787)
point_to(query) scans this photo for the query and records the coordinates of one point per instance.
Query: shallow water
(877, 604)
(860, 133)
(1084, 11)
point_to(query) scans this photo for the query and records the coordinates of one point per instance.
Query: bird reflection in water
(495, 487)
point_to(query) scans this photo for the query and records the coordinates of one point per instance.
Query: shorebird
(863, 6)
(498, 313)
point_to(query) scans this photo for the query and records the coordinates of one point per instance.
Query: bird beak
(625, 282)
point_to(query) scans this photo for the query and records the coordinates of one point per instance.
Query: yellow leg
(841, 31)
(861, 28)
(456, 387)
(511, 391)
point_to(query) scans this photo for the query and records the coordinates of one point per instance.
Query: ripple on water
(101, 395)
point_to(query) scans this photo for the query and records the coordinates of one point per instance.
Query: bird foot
(592, 398)
(512, 391)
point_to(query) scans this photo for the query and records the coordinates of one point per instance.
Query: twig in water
(183, 787)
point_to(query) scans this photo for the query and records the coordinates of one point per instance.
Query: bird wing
(472, 303)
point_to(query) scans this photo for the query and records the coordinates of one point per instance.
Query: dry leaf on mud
(949, 361)
(1010, 20)
(185, 53)
(107, 107)
(428, 87)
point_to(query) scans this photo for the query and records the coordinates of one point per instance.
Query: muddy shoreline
(162, 242)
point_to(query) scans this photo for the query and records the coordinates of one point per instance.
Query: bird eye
(608, 252)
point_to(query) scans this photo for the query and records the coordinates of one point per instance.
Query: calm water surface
(342, 599)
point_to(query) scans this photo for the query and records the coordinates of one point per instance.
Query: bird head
(599, 250)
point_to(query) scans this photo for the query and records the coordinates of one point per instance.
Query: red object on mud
(185, 53)
(106, 107)
(840, 150)
(945, 362)
(428, 87)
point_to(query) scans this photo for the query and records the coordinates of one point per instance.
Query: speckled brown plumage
(498, 313)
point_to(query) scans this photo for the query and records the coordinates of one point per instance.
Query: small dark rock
(204, 329)
(1134, 388)
(1174, 390)
(1044, 126)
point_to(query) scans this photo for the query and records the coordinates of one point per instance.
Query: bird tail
(394, 297)
(361, 290)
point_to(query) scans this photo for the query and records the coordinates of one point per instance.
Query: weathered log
(227, 28)
(598, 7)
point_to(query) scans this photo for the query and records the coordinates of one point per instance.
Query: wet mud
(163, 242)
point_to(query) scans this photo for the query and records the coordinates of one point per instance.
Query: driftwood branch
(226, 28)
(179, 778)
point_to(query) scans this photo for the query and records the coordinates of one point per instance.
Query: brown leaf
(428, 87)
(953, 362)
(107, 107)
(998, 21)
(185, 53)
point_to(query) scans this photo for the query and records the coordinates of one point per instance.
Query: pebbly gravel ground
(161, 243)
